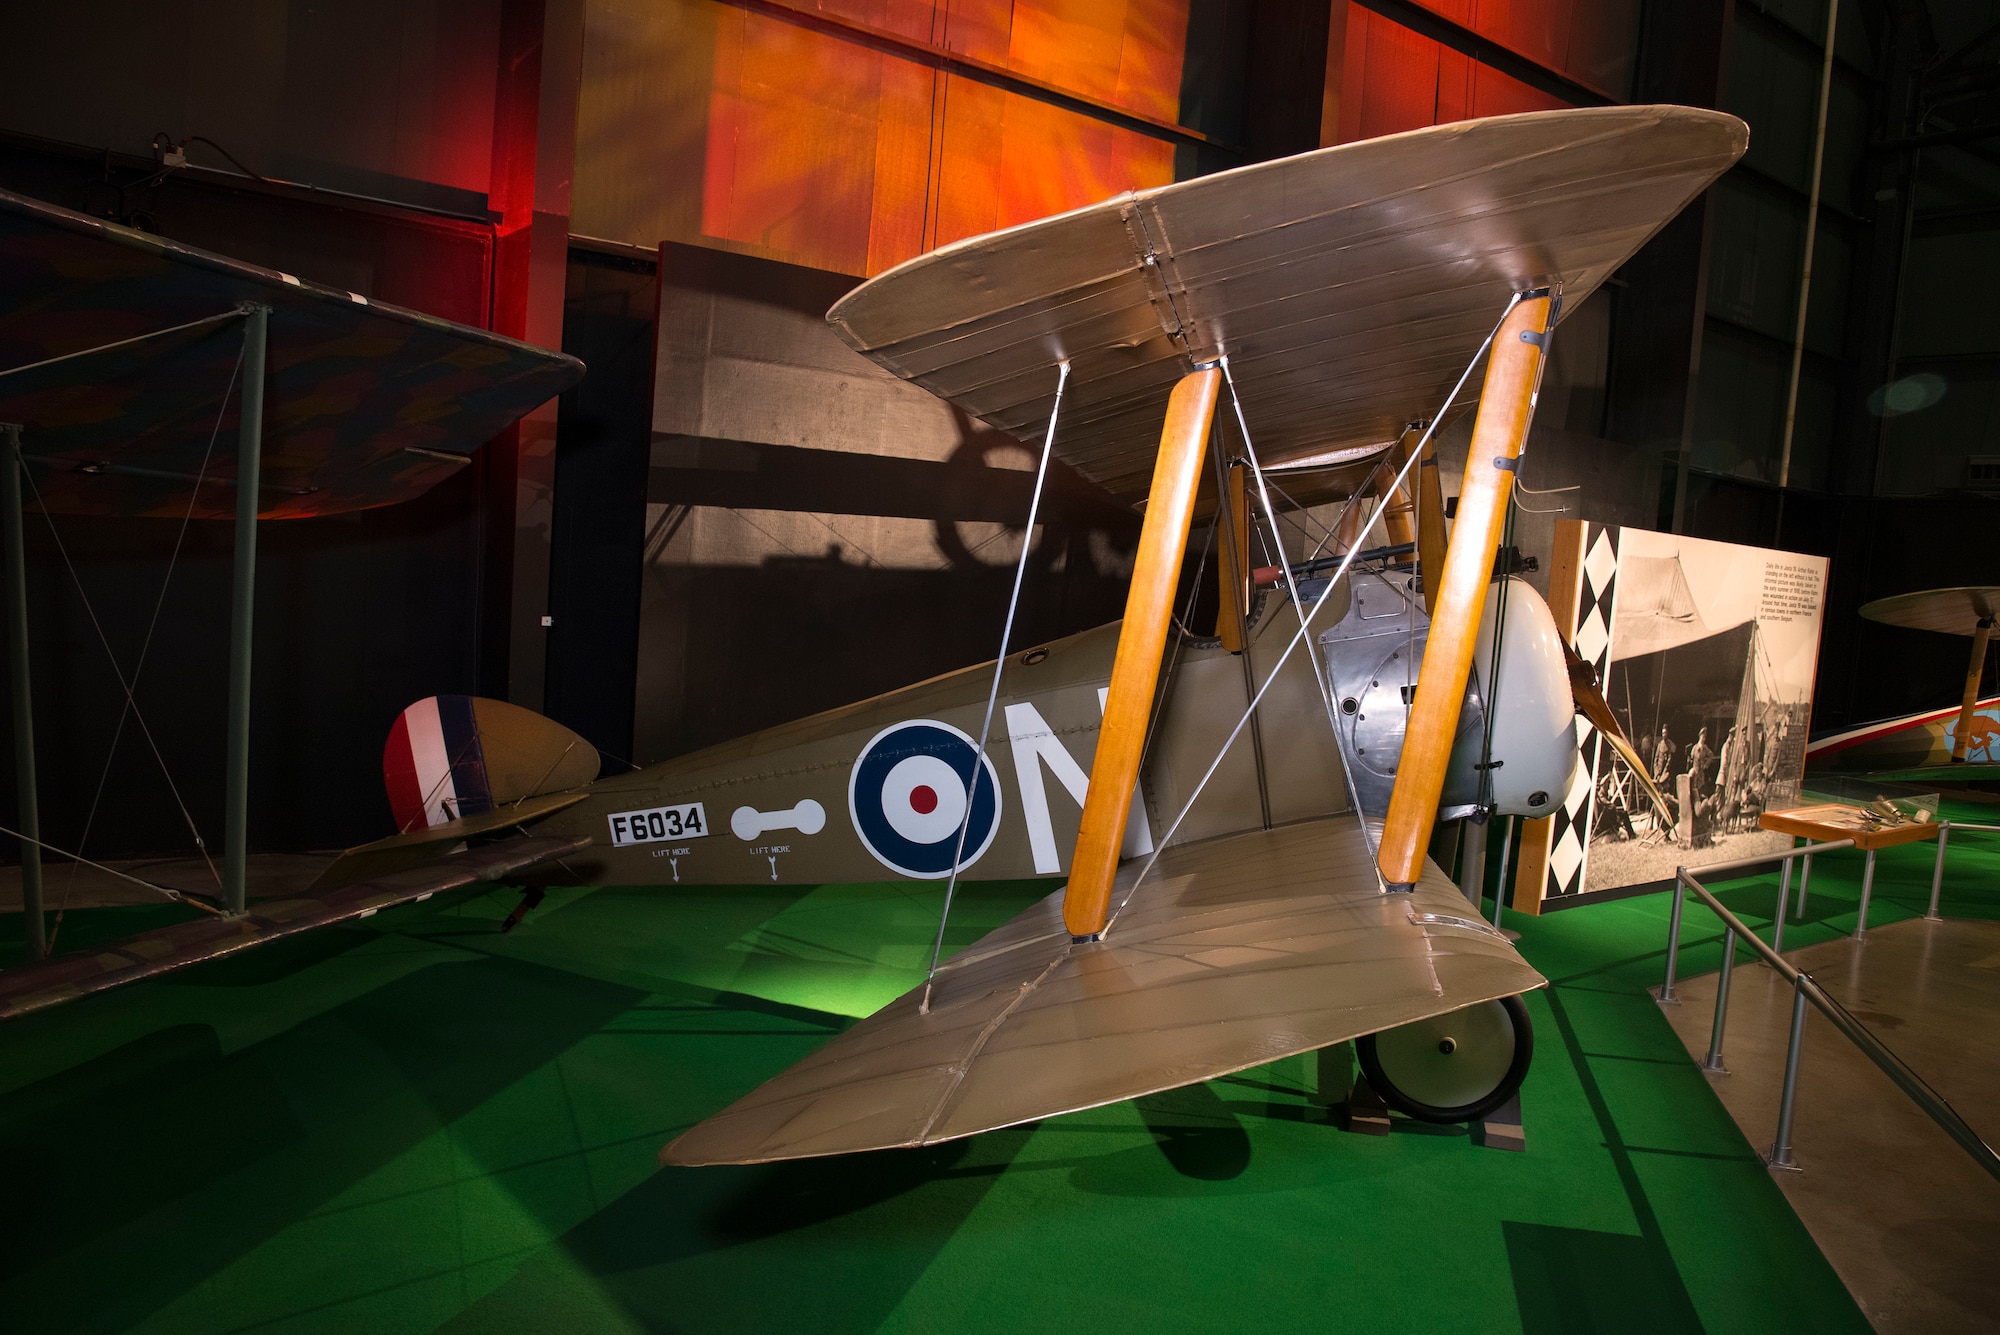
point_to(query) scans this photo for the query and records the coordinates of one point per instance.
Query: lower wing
(34, 986)
(1236, 952)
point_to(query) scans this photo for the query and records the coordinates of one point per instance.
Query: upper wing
(1953, 611)
(365, 404)
(1348, 286)
(1238, 951)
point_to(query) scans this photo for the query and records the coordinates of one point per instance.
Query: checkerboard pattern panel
(1596, 605)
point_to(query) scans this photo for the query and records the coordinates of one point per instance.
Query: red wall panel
(1393, 79)
(827, 154)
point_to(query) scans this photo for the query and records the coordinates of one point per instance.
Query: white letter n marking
(1034, 743)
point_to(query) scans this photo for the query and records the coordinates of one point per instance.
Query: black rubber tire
(1517, 1071)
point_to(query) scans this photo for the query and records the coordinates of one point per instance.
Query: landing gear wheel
(1456, 1067)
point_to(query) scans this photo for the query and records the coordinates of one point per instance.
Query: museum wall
(357, 614)
(819, 531)
(713, 124)
(728, 552)
(392, 98)
(1395, 78)
(1879, 545)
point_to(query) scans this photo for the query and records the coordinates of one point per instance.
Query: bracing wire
(1299, 512)
(178, 896)
(1271, 518)
(993, 695)
(130, 707)
(1305, 621)
(122, 343)
(1291, 579)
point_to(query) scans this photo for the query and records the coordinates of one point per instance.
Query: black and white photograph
(1710, 670)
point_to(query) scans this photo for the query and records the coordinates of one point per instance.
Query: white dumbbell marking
(748, 823)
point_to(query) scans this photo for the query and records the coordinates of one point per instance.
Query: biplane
(1240, 821)
(1960, 743)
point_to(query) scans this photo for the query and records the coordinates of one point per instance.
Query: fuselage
(878, 790)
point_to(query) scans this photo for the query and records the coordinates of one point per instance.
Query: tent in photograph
(1670, 668)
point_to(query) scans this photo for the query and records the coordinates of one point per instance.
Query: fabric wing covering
(1238, 951)
(365, 404)
(1346, 286)
(31, 987)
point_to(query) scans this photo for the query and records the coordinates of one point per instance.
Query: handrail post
(1781, 1148)
(1666, 995)
(1929, 1100)
(1937, 876)
(1867, 888)
(1784, 897)
(1713, 1061)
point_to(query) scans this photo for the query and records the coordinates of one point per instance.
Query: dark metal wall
(604, 447)
(1878, 545)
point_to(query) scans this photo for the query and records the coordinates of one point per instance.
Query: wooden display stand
(1838, 820)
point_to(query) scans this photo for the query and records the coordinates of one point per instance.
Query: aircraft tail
(450, 757)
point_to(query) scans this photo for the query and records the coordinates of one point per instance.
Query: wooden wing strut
(1142, 639)
(1506, 406)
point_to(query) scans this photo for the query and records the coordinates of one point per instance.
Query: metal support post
(1713, 1061)
(242, 606)
(1665, 996)
(1805, 875)
(1472, 860)
(1937, 875)
(1867, 887)
(1506, 855)
(1784, 897)
(1781, 1148)
(24, 713)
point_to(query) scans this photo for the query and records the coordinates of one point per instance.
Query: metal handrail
(1933, 1104)
(1666, 993)
(1945, 827)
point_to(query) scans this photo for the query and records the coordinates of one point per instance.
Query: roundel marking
(908, 793)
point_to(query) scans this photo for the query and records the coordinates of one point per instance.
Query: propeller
(1590, 703)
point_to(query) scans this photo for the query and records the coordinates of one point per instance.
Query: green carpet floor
(417, 1123)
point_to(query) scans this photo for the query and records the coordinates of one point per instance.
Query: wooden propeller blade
(1590, 703)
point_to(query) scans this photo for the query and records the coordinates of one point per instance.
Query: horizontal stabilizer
(453, 756)
(149, 954)
(1238, 951)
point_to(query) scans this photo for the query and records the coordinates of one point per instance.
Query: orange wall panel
(1591, 41)
(795, 174)
(1393, 79)
(824, 153)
